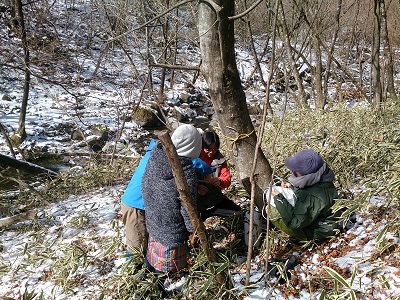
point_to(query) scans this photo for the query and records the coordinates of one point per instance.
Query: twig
(258, 145)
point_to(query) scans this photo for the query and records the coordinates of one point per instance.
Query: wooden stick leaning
(185, 198)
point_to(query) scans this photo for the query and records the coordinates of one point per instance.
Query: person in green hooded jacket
(308, 214)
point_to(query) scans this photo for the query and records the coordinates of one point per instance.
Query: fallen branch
(29, 215)
(9, 161)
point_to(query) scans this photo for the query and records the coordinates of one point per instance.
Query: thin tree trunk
(165, 27)
(375, 63)
(320, 101)
(337, 63)
(258, 67)
(301, 96)
(332, 48)
(175, 53)
(389, 70)
(254, 165)
(22, 116)
(148, 53)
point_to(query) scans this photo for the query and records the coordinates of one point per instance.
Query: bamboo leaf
(381, 234)
(337, 276)
(353, 276)
(353, 295)
(206, 286)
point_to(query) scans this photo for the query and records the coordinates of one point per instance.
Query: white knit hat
(187, 141)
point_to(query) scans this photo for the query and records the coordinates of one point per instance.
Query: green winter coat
(311, 218)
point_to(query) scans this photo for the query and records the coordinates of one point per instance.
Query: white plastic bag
(287, 193)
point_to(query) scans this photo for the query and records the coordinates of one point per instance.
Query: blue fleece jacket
(133, 196)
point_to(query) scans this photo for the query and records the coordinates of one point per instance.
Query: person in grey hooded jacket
(167, 221)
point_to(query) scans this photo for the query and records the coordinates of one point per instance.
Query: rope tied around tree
(234, 140)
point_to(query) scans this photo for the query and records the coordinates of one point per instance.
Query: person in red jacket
(210, 200)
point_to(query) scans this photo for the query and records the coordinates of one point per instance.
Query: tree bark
(165, 32)
(320, 101)
(219, 68)
(331, 49)
(375, 63)
(389, 68)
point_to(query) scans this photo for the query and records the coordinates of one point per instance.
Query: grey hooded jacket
(166, 219)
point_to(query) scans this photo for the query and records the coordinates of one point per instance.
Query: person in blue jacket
(133, 209)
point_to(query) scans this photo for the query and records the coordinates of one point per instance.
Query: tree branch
(10, 146)
(24, 165)
(177, 67)
(150, 21)
(214, 5)
(246, 11)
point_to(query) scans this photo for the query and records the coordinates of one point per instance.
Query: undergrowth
(360, 144)
(74, 181)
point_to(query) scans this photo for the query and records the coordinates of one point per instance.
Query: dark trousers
(224, 208)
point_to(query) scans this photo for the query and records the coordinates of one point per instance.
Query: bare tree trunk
(330, 54)
(219, 68)
(22, 116)
(301, 96)
(165, 30)
(375, 63)
(332, 48)
(257, 149)
(360, 53)
(320, 101)
(389, 68)
(258, 67)
(148, 52)
(175, 52)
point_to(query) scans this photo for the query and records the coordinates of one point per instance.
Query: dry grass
(360, 144)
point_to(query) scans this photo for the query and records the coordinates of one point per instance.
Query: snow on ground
(29, 257)
(78, 221)
(44, 248)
